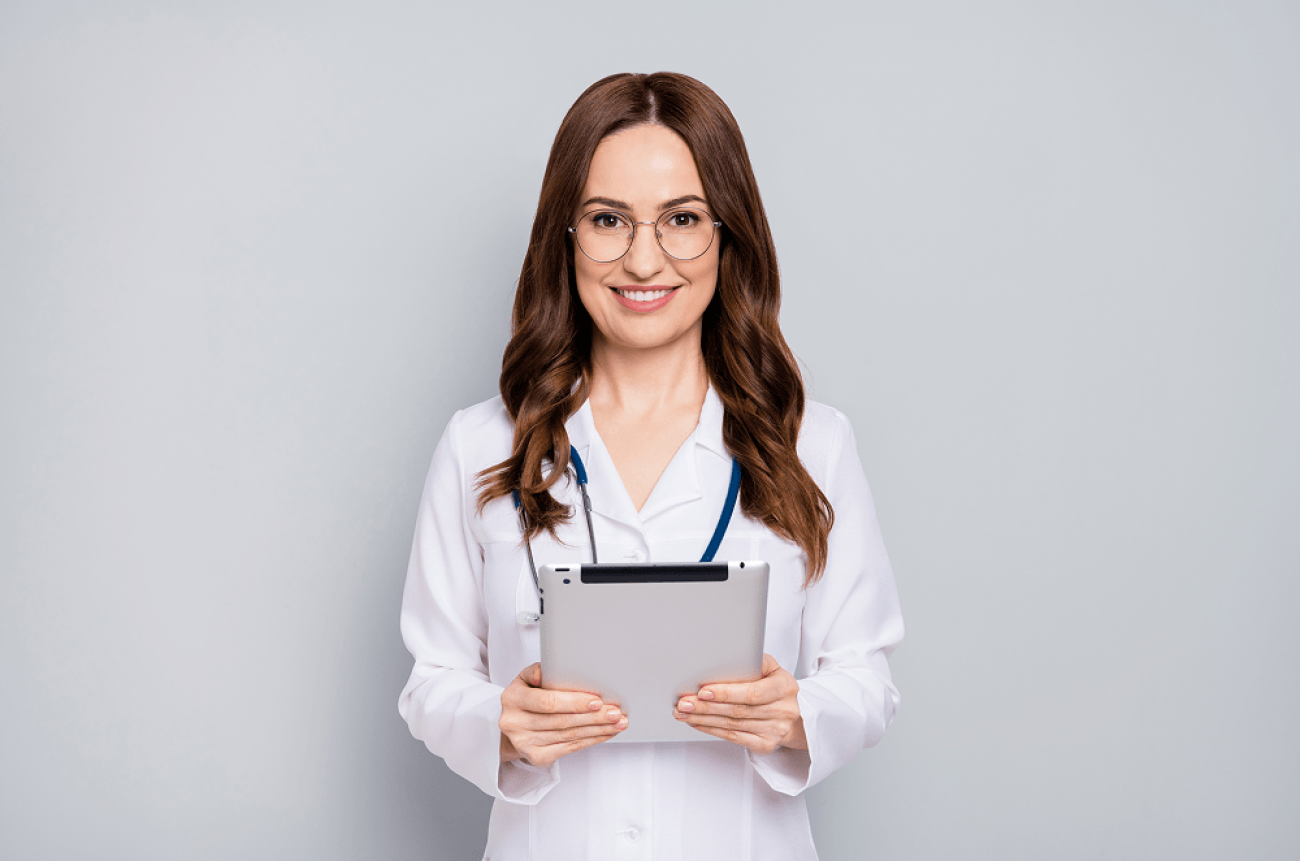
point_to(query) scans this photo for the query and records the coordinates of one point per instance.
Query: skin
(648, 380)
(648, 384)
(540, 726)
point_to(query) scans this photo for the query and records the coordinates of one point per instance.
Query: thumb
(531, 675)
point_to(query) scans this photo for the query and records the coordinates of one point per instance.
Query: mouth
(644, 300)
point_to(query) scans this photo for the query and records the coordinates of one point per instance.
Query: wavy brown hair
(546, 367)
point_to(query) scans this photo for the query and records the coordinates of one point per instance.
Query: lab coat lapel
(609, 497)
(708, 434)
(680, 482)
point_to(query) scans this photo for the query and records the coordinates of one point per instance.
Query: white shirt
(466, 620)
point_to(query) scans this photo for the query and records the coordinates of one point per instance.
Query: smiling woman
(645, 165)
(646, 345)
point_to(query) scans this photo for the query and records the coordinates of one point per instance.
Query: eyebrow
(667, 204)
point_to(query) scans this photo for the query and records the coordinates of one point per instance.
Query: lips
(644, 299)
(644, 295)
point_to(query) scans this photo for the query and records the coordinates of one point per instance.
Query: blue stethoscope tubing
(580, 471)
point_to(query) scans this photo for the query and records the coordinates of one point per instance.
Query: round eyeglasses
(605, 235)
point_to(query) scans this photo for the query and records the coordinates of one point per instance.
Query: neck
(646, 380)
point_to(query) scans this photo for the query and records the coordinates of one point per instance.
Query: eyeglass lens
(606, 235)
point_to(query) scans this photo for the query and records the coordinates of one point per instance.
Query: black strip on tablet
(695, 572)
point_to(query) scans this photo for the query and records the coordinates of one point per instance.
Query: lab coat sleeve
(851, 624)
(450, 703)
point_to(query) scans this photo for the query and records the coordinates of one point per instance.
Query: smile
(644, 301)
(643, 295)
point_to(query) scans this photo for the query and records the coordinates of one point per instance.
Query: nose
(645, 258)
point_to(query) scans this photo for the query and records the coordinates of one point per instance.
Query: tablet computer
(641, 636)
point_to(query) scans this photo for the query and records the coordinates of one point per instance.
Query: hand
(540, 726)
(761, 715)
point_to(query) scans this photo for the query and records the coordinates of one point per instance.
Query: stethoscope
(580, 472)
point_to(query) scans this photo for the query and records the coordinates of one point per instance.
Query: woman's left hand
(761, 715)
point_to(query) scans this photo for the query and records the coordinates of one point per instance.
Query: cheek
(706, 279)
(587, 277)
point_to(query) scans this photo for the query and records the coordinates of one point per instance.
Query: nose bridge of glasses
(654, 229)
(647, 255)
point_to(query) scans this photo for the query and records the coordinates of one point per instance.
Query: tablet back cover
(641, 636)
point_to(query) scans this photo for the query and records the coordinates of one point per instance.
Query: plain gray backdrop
(1046, 256)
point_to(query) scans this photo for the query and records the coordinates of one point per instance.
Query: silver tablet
(641, 636)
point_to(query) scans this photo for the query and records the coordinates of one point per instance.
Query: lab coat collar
(709, 432)
(680, 482)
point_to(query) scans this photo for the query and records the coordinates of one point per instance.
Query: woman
(645, 336)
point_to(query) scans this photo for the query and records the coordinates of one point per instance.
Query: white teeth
(643, 295)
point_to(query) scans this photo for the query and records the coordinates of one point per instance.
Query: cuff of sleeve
(518, 782)
(785, 770)
(521, 783)
(476, 755)
(832, 731)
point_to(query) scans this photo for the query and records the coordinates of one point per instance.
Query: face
(646, 299)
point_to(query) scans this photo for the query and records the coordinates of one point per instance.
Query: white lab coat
(465, 618)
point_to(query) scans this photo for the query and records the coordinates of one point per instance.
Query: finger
(762, 711)
(748, 722)
(773, 686)
(770, 665)
(543, 701)
(744, 693)
(531, 675)
(564, 735)
(763, 728)
(534, 745)
(756, 743)
(553, 722)
(544, 756)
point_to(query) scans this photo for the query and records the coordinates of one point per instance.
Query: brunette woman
(646, 336)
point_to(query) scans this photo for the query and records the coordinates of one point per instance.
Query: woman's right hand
(540, 726)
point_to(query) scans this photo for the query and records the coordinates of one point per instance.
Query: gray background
(254, 255)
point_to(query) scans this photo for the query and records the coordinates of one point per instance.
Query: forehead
(644, 166)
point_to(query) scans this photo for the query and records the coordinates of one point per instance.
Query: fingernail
(686, 706)
(706, 694)
(613, 714)
(622, 724)
(595, 705)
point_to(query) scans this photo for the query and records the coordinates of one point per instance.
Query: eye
(607, 221)
(683, 219)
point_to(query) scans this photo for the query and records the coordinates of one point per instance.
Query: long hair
(546, 366)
